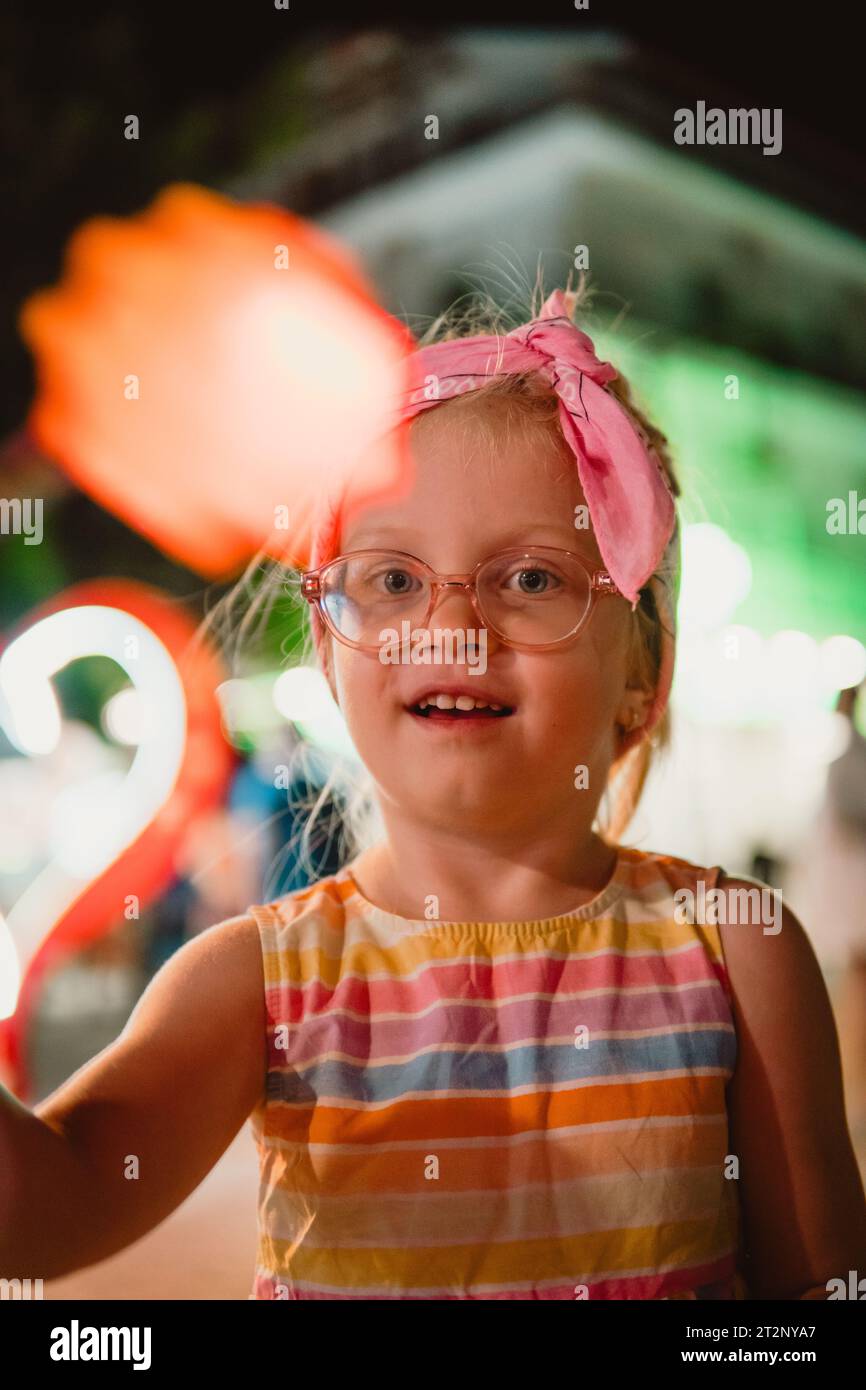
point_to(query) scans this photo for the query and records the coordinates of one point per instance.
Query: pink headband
(630, 502)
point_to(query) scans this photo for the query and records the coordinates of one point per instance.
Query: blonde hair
(526, 399)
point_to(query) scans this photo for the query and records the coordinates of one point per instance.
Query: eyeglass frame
(601, 583)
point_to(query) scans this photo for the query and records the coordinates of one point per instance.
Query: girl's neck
(485, 886)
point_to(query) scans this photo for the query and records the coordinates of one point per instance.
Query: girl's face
(503, 776)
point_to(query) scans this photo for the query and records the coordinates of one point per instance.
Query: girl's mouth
(446, 709)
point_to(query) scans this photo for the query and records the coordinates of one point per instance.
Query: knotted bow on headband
(627, 494)
(630, 502)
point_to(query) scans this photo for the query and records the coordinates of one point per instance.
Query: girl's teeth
(462, 702)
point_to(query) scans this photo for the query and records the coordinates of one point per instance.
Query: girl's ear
(633, 709)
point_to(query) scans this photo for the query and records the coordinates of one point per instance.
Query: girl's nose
(454, 609)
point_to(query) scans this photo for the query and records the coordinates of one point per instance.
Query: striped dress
(529, 1110)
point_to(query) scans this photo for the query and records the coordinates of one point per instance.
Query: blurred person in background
(828, 886)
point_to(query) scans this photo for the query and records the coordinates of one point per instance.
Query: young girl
(499, 1054)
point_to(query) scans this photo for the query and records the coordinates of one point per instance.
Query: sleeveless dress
(529, 1110)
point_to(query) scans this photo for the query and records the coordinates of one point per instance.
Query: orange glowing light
(208, 370)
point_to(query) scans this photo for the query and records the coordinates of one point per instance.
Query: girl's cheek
(361, 690)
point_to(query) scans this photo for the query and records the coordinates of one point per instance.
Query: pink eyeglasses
(536, 598)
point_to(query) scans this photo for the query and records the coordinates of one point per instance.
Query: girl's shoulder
(318, 911)
(654, 873)
(718, 897)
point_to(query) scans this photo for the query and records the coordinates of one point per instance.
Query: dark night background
(210, 86)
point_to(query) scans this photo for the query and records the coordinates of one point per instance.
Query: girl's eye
(395, 582)
(398, 582)
(533, 580)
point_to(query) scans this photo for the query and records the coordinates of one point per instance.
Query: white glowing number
(110, 812)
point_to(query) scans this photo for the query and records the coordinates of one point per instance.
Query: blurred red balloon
(208, 370)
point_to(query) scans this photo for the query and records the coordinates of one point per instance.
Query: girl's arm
(119, 1145)
(802, 1195)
